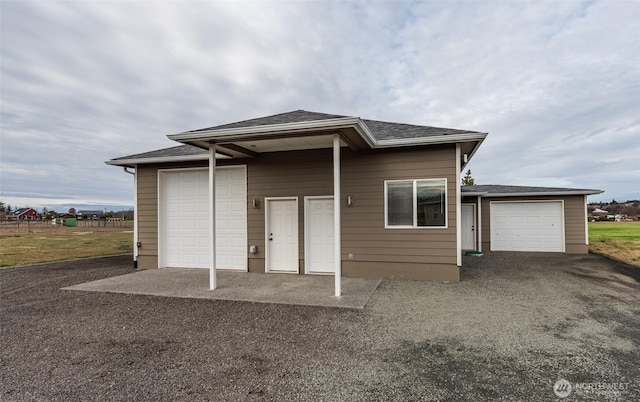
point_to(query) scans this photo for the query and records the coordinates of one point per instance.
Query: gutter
(473, 193)
(441, 139)
(541, 193)
(159, 159)
(239, 133)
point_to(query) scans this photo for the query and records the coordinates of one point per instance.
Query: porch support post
(458, 212)
(337, 248)
(212, 216)
(479, 224)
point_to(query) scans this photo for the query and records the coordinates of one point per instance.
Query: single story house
(314, 193)
(24, 214)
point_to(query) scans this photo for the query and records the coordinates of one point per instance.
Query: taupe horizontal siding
(285, 174)
(147, 188)
(363, 231)
(310, 173)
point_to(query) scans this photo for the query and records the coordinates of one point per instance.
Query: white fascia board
(541, 193)
(473, 193)
(158, 159)
(231, 134)
(240, 132)
(440, 139)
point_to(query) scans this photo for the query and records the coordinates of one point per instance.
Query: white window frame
(415, 213)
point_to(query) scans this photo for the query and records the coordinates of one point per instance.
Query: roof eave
(473, 151)
(238, 133)
(473, 193)
(439, 139)
(356, 123)
(542, 193)
(131, 162)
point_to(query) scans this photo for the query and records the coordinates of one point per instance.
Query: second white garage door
(527, 226)
(184, 222)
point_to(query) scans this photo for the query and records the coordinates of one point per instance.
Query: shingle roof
(381, 131)
(297, 116)
(495, 189)
(180, 150)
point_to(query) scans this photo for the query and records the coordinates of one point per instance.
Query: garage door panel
(527, 226)
(185, 210)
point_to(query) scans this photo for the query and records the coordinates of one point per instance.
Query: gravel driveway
(516, 324)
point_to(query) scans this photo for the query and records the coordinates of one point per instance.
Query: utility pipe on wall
(135, 214)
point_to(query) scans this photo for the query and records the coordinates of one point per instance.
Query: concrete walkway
(308, 290)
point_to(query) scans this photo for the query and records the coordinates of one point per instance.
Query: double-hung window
(415, 203)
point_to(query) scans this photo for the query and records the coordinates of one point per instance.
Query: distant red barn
(25, 214)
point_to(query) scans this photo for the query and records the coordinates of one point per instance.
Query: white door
(468, 226)
(184, 224)
(231, 218)
(320, 236)
(281, 235)
(184, 200)
(527, 226)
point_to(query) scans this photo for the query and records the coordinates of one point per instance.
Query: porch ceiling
(243, 146)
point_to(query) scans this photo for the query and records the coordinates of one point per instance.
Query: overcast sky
(556, 84)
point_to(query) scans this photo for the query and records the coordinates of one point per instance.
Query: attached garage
(527, 226)
(183, 199)
(519, 218)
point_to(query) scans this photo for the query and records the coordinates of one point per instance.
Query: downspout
(479, 225)
(135, 215)
(586, 222)
(458, 212)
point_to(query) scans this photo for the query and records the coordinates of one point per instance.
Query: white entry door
(468, 226)
(281, 235)
(320, 236)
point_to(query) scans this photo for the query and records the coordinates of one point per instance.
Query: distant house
(599, 212)
(25, 214)
(90, 215)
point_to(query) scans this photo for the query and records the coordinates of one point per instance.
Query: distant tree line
(630, 208)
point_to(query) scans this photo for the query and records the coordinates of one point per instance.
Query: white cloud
(555, 84)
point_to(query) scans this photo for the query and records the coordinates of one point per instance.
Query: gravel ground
(515, 324)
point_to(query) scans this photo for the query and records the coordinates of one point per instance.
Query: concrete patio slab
(305, 290)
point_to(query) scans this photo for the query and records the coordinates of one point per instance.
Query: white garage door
(184, 223)
(527, 226)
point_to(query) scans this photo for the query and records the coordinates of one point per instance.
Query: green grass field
(617, 240)
(43, 243)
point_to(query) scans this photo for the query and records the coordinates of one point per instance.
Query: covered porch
(224, 143)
